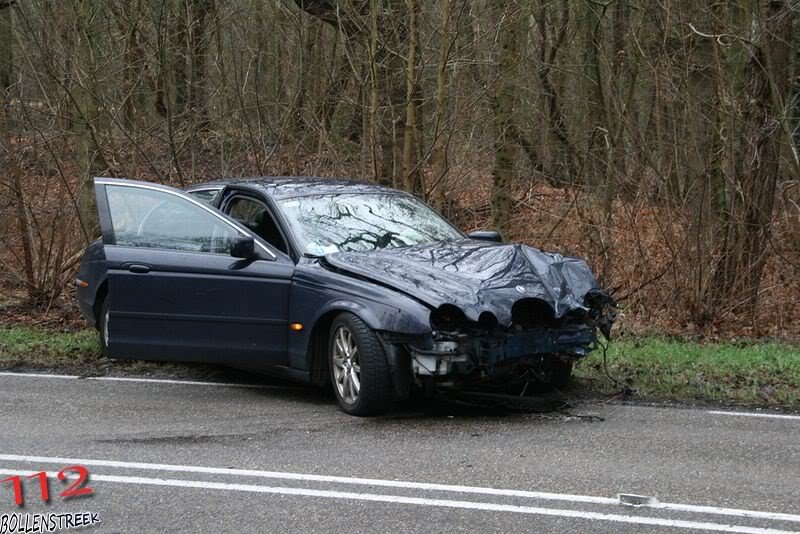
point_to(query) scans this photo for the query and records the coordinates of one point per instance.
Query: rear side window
(205, 195)
(158, 219)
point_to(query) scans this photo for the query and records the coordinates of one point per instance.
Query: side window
(205, 195)
(157, 219)
(257, 217)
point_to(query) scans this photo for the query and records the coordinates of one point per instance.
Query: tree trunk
(91, 157)
(202, 11)
(391, 69)
(548, 54)
(134, 65)
(181, 52)
(336, 84)
(622, 75)
(503, 173)
(373, 89)
(600, 138)
(6, 43)
(439, 151)
(412, 173)
(750, 203)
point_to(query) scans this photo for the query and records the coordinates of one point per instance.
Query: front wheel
(560, 373)
(359, 372)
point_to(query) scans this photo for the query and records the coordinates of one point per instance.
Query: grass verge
(752, 373)
(27, 348)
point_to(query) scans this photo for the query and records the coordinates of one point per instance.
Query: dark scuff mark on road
(185, 439)
(182, 439)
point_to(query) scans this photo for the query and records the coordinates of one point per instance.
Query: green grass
(658, 368)
(75, 351)
(748, 372)
(23, 346)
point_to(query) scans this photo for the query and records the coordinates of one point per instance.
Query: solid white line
(426, 486)
(754, 414)
(35, 375)
(145, 380)
(442, 503)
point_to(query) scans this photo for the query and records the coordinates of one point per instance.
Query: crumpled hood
(475, 276)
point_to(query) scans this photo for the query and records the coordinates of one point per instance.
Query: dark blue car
(332, 282)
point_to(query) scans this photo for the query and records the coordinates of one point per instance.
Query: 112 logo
(75, 488)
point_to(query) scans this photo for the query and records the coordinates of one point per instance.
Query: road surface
(172, 456)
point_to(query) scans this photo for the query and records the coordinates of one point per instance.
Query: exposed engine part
(436, 365)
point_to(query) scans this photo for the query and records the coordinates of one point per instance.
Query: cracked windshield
(358, 222)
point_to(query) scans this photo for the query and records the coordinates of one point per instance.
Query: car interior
(256, 217)
(265, 226)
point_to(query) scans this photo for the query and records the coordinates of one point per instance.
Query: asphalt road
(183, 457)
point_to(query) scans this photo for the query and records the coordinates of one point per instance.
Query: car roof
(279, 187)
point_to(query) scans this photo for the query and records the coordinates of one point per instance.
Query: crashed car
(332, 282)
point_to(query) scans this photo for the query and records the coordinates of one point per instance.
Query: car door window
(256, 216)
(205, 195)
(150, 218)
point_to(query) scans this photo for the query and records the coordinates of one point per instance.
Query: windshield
(363, 221)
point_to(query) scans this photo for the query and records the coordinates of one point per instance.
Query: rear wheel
(359, 372)
(102, 326)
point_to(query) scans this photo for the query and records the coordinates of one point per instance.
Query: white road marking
(35, 375)
(755, 414)
(146, 380)
(442, 503)
(425, 486)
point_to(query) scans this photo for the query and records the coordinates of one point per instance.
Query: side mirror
(486, 235)
(243, 247)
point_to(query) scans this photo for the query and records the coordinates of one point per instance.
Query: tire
(359, 372)
(560, 373)
(102, 326)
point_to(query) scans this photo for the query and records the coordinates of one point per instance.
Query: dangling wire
(604, 346)
(624, 390)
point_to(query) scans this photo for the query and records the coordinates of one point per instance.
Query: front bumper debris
(455, 353)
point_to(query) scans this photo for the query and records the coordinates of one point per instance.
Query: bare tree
(659, 139)
(751, 191)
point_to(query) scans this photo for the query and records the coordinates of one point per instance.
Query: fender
(383, 310)
(380, 316)
(92, 271)
(373, 318)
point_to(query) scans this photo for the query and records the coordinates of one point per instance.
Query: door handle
(139, 268)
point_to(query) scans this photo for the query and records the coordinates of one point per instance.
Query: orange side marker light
(296, 326)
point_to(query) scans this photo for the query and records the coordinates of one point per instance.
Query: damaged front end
(502, 316)
(536, 348)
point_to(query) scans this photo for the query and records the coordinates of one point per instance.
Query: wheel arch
(320, 332)
(99, 297)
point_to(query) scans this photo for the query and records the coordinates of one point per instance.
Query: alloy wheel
(346, 365)
(105, 327)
